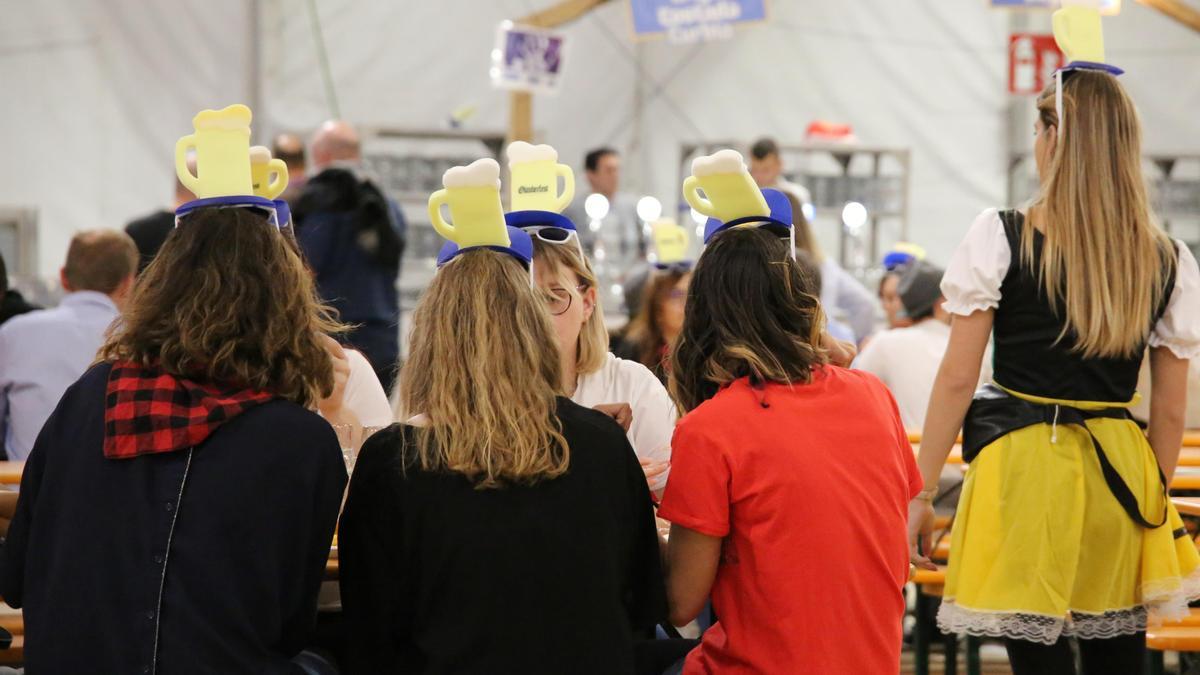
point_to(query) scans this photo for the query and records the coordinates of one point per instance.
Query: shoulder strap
(1171, 262)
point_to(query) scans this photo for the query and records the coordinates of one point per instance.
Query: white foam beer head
(483, 172)
(259, 154)
(520, 151)
(721, 161)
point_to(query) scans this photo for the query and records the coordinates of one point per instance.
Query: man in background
(150, 231)
(290, 148)
(353, 237)
(620, 236)
(766, 166)
(44, 352)
(907, 359)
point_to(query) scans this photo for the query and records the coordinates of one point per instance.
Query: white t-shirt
(979, 265)
(364, 394)
(622, 381)
(907, 361)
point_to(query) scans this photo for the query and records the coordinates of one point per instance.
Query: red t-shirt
(810, 493)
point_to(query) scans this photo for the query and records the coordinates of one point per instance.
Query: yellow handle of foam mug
(277, 169)
(691, 194)
(563, 171)
(436, 201)
(189, 180)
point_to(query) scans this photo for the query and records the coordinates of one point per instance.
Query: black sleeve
(329, 485)
(369, 545)
(12, 569)
(646, 596)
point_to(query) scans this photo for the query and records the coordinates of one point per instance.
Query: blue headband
(779, 218)
(234, 201)
(520, 247)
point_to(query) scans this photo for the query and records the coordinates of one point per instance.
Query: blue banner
(694, 20)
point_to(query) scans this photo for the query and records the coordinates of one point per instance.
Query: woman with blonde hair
(591, 375)
(1064, 528)
(502, 528)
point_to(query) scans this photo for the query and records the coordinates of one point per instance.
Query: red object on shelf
(1032, 60)
(829, 131)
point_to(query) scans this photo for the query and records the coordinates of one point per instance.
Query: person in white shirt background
(907, 359)
(592, 376)
(44, 352)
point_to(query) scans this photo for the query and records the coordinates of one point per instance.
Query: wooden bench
(14, 623)
(930, 584)
(1177, 636)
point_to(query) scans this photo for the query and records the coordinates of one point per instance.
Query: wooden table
(10, 472)
(1191, 439)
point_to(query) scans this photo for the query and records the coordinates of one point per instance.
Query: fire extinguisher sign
(1032, 60)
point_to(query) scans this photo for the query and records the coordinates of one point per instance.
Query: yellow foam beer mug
(473, 194)
(670, 242)
(270, 176)
(1078, 33)
(729, 191)
(534, 173)
(222, 146)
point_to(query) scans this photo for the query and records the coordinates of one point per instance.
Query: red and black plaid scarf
(149, 411)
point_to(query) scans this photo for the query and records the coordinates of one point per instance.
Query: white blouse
(654, 414)
(979, 265)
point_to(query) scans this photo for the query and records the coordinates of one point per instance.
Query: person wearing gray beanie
(906, 359)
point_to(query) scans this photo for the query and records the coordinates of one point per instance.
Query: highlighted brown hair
(228, 300)
(751, 312)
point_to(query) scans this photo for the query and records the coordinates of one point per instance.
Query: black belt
(995, 413)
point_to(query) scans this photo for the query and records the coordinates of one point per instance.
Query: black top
(220, 549)
(1030, 359)
(558, 577)
(149, 233)
(13, 304)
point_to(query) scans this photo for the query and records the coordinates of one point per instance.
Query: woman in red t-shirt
(790, 478)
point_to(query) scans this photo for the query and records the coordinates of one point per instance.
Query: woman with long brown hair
(656, 325)
(767, 465)
(184, 491)
(1064, 528)
(501, 528)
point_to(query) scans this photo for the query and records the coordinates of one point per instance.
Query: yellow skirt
(1041, 548)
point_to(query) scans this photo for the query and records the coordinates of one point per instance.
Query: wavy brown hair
(751, 312)
(483, 368)
(1105, 261)
(228, 300)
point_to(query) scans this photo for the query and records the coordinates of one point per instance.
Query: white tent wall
(95, 94)
(111, 84)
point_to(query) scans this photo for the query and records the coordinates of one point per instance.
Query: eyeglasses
(558, 300)
(676, 295)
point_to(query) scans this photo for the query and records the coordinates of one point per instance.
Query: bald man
(353, 238)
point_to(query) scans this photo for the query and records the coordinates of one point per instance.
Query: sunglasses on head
(554, 235)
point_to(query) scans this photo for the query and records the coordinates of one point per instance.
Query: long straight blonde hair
(484, 369)
(1104, 260)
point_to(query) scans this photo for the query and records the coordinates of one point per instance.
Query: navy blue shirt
(205, 560)
(353, 237)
